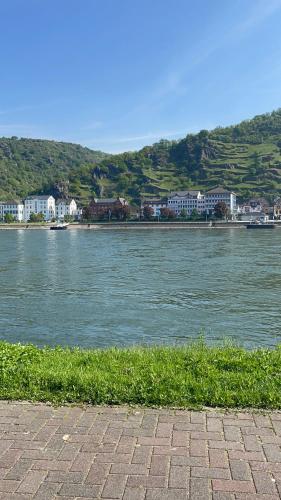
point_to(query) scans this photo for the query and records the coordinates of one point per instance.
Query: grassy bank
(190, 376)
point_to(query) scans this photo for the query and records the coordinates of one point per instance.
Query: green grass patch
(189, 376)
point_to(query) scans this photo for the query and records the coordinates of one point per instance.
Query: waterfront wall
(134, 225)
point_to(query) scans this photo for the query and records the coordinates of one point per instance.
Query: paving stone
(200, 488)
(47, 491)
(116, 453)
(214, 425)
(264, 482)
(252, 443)
(134, 493)
(65, 477)
(79, 490)
(142, 455)
(97, 473)
(32, 481)
(52, 465)
(272, 452)
(189, 461)
(222, 495)
(128, 469)
(240, 470)
(179, 477)
(211, 472)
(218, 458)
(180, 438)
(8, 485)
(147, 481)
(159, 465)
(232, 433)
(266, 466)
(170, 451)
(82, 462)
(226, 445)
(232, 485)
(9, 458)
(198, 448)
(198, 417)
(20, 469)
(246, 455)
(255, 496)
(216, 436)
(164, 430)
(114, 486)
(163, 494)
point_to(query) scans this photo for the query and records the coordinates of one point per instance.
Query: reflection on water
(124, 287)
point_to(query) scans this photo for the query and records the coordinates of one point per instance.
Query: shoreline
(133, 225)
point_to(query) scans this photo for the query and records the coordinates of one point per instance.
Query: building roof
(61, 200)
(191, 192)
(258, 201)
(154, 201)
(106, 200)
(39, 197)
(11, 202)
(218, 190)
(109, 200)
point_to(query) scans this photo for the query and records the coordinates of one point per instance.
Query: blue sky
(116, 75)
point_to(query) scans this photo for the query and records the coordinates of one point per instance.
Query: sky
(116, 75)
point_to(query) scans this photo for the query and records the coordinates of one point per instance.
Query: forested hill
(39, 166)
(244, 157)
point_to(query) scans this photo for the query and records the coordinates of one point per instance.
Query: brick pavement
(135, 454)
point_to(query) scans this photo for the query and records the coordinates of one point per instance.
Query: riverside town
(189, 204)
(140, 239)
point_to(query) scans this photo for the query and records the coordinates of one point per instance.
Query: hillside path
(68, 453)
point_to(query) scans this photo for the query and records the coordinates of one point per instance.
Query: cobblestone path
(135, 454)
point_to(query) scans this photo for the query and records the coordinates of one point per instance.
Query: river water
(124, 287)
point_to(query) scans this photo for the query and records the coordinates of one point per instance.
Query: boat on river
(59, 227)
(261, 225)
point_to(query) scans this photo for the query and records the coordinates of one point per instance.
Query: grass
(190, 376)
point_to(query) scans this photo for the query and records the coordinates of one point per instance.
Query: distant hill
(245, 158)
(30, 166)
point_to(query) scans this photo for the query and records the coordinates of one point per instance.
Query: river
(105, 288)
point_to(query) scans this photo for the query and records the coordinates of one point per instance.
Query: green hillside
(245, 158)
(37, 166)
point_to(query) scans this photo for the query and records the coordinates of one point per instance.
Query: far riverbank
(134, 225)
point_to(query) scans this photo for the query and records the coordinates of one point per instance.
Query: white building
(156, 204)
(40, 204)
(66, 207)
(217, 195)
(187, 201)
(15, 208)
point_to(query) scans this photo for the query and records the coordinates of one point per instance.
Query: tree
(167, 213)
(121, 213)
(183, 213)
(8, 218)
(36, 217)
(68, 218)
(148, 212)
(221, 210)
(194, 214)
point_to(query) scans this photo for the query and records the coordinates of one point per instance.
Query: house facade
(156, 204)
(66, 207)
(187, 201)
(217, 195)
(13, 207)
(40, 204)
(106, 205)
